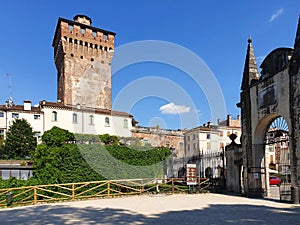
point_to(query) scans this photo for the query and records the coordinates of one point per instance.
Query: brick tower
(83, 56)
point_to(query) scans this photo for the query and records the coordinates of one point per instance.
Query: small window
(54, 116)
(1, 114)
(94, 33)
(207, 136)
(74, 119)
(105, 37)
(188, 147)
(1, 132)
(125, 123)
(194, 136)
(37, 117)
(188, 138)
(221, 133)
(70, 27)
(91, 120)
(15, 115)
(82, 30)
(106, 121)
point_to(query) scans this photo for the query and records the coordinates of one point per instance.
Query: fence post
(172, 185)
(142, 190)
(108, 189)
(34, 195)
(73, 191)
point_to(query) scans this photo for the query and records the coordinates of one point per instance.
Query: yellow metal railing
(94, 189)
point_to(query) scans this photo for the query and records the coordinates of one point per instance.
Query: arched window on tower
(54, 116)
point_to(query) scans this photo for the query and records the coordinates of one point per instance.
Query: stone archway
(264, 97)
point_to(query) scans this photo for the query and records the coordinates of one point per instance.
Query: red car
(275, 180)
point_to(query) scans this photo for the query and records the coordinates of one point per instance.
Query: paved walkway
(158, 210)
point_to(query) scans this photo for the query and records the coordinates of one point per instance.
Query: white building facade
(75, 119)
(205, 145)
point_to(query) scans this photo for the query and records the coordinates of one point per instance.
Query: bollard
(9, 198)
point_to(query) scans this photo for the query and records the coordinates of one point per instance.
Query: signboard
(191, 174)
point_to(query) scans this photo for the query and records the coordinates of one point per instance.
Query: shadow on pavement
(214, 214)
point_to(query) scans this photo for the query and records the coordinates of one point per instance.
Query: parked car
(275, 180)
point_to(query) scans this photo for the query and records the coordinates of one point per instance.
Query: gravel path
(158, 210)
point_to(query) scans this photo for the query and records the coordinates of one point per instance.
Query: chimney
(83, 19)
(27, 105)
(229, 117)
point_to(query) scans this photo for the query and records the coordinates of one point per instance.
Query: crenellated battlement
(82, 54)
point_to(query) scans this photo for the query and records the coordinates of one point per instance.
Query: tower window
(70, 40)
(101, 47)
(105, 37)
(70, 27)
(105, 49)
(72, 55)
(86, 44)
(82, 30)
(91, 45)
(80, 42)
(91, 120)
(81, 57)
(94, 33)
(106, 121)
(74, 118)
(75, 41)
(92, 59)
(54, 116)
(96, 46)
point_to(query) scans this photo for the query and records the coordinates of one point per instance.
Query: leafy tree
(108, 139)
(58, 159)
(20, 140)
(57, 137)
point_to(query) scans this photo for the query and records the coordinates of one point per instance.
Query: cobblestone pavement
(158, 209)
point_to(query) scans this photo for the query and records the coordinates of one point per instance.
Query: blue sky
(216, 31)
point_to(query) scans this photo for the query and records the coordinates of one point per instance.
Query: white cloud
(275, 15)
(171, 108)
